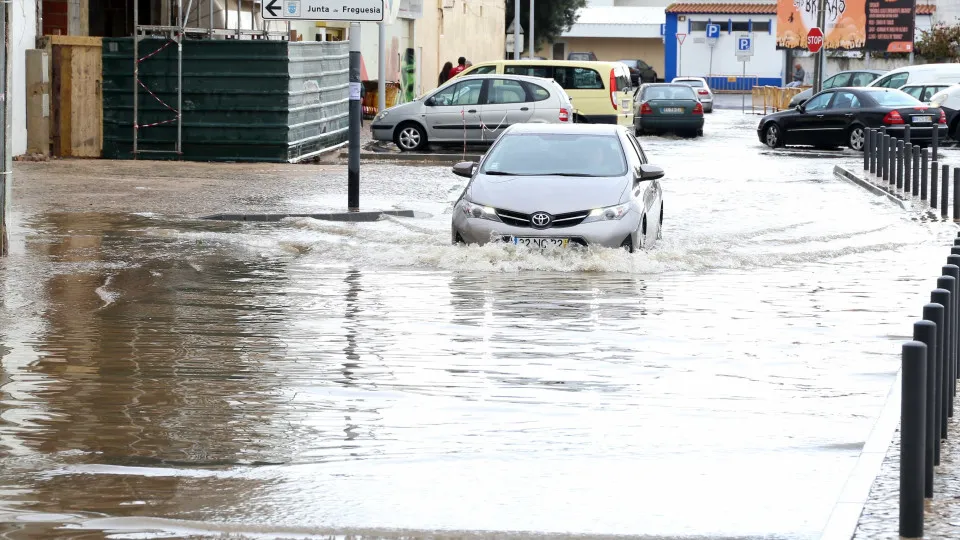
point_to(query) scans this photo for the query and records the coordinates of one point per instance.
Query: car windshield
(675, 91)
(556, 154)
(695, 84)
(894, 99)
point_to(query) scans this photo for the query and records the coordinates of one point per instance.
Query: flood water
(162, 376)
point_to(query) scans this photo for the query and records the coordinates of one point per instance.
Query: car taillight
(893, 117)
(943, 117)
(698, 109)
(646, 109)
(613, 89)
(702, 92)
(564, 115)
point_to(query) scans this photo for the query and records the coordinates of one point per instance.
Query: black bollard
(898, 155)
(924, 169)
(947, 282)
(912, 437)
(925, 332)
(883, 161)
(933, 312)
(955, 250)
(956, 190)
(867, 138)
(935, 142)
(907, 168)
(906, 133)
(916, 170)
(944, 185)
(892, 156)
(951, 269)
(941, 296)
(934, 184)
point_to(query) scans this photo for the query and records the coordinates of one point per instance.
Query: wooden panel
(76, 128)
(38, 101)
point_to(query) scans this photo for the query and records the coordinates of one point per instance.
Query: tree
(551, 18)
(939, 44)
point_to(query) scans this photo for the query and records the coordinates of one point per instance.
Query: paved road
(293, 377)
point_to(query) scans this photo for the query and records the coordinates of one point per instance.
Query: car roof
(689, 79)
(874, 71)
(565, 63)
(572, 129)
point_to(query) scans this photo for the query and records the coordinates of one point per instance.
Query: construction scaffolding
(175, 35)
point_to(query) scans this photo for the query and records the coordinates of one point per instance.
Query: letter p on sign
(814, 39)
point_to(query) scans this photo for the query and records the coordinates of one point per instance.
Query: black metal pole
(868, 138)
(941, 296)
(924, 169)
(912, 437)
(883, 162)
(948, 282)
(874, 151)
(934, 184)
(906, 164)
(906, 133)
(892, 155)
(901, 147)
(916, 170)
(353, 147)
(935, 142)
(956, 191)
(925, 331)
(934, 312)
(944, 184)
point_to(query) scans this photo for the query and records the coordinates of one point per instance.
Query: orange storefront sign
(845, 29)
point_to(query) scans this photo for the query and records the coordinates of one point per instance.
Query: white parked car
(700, 86)
(932, 73)
(948, 100)
(473, 109)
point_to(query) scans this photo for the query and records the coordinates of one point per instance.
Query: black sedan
(838, 117)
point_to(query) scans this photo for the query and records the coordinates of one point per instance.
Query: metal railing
(910, 171)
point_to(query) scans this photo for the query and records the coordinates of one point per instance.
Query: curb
(842, 172)
(355, 217)
(446, 159)
(845, 517)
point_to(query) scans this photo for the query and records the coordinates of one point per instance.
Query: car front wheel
(772, 136)
(410, 137)
(856, 138)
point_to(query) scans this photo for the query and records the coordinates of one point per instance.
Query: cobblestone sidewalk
(880, 517)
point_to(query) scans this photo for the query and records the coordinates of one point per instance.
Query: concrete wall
(649, 50)
(24, 36)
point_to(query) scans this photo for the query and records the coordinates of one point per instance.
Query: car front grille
(559, 221)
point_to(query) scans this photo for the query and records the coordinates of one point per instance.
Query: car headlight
(609, 213)
(381, 116)
(478, 211)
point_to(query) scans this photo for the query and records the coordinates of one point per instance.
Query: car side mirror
(429, 102)
(649, 172)
(464, 169)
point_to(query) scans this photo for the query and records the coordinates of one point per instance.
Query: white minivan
(943, 73)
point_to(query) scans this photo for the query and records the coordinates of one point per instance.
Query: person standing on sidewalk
(461, 65)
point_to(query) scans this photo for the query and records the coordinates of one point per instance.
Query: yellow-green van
(600, 91)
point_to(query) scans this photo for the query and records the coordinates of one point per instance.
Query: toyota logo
(540, 220)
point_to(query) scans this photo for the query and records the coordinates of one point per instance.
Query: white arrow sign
(323, 10)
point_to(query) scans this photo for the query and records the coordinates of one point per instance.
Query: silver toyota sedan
(560, 186)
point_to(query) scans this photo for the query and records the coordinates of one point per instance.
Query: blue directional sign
(713, 30)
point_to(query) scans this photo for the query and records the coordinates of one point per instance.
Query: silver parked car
(701, 87)
(561, 186)
(473, 109)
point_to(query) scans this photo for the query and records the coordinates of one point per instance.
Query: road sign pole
(743, 95)
(516, 29)
(818, 67)
(381, 67)
(679, 57)
(353, 149)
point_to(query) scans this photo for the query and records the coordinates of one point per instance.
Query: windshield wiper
(569, 174)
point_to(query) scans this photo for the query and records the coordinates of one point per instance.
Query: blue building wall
(670, 48)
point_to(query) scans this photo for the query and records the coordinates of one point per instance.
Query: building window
(739, 26)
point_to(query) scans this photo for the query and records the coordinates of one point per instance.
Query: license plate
(540, 243)
(922, 119)
(672, 110)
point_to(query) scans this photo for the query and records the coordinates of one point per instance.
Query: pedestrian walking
(445, 73)
(461, 65)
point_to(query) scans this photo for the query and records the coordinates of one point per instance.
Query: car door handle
(819, 116)
(472, 111)
(849, 114)
(524, 108)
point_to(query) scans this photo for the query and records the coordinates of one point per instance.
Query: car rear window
(539, 93)
(894, 99)
(547, 154)
(695, 84)
(569, 78)
(676, 91)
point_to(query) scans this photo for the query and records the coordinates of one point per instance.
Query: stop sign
(814, 39)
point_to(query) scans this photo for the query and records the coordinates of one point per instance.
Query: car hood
(777, 115)
(553, 194)
(405, 109)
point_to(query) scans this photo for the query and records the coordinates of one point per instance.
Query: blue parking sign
(713, 30)
(743, 44)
